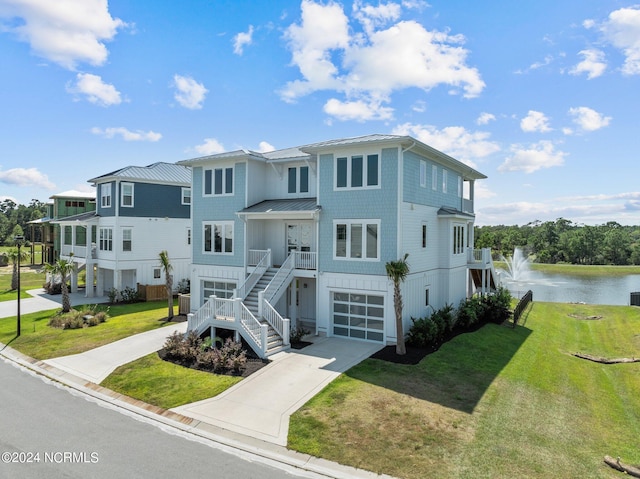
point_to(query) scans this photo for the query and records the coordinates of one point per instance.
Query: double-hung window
(106, 239)
(444, 181)
(126, 239)
(458, 239)
(218, 181)
(434, 178)
(105, 195)
(298, 179)
(423, 173)
(358, 171)
(356, 239)
(186, 196)
(218, 237)
(126, 194)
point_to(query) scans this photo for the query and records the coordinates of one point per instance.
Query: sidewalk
(41, 301)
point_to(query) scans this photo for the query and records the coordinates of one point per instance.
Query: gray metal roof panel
(286, 205)
(89, 215)
(155, 173)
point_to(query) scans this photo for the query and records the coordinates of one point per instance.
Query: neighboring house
(304, 233)
(46, 233)
(141, 210)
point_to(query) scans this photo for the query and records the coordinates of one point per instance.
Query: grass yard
(495, 403)
(43, 342)
(31, 277)
(165, 384)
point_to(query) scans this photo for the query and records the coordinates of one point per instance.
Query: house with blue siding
(301, 237)
(140, 211)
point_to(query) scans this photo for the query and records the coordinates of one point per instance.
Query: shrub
(76, 319)
(296, 334)
(113, 295)
(470, 311)
(129, 295)
(422, 333)
(52, 287)
(184, 286)
(191, 350)
(497, 306)
(443, 319)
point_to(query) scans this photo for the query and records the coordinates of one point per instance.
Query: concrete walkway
(260, 405)
(41, 301)
(96, 364)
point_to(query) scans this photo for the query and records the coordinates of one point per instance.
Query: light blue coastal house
(140, 211)
(301, 236)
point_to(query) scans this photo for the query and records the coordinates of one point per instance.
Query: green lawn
(490, 404)
(40, 341)
(30, 278)
(164, 384)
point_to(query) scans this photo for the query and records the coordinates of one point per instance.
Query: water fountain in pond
(517, 267)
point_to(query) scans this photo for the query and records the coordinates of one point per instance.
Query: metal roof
(75, 194)
(155, 173)
(81, 218)
(447, 211)
(294, 205)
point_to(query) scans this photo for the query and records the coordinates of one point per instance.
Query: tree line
(562, 241)
(14, 219)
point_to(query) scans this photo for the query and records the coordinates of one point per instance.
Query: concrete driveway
(260, 405)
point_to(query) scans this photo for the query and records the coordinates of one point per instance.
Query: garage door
(359, 316)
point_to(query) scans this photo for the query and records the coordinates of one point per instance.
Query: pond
(559, 288)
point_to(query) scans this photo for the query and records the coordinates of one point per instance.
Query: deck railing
(306, 260)
(277, 322)
(479, 256)
(255, 256)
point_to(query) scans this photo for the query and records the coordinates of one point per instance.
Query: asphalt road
(48, 430)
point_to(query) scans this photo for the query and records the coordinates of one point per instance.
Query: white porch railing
(255, 256)
(306, 260)
(479, 256)
(73, 250)
(260, 267)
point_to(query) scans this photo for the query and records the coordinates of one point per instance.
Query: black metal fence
(521, 306)
(635, 299)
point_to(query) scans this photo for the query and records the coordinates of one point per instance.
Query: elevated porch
(483, 277)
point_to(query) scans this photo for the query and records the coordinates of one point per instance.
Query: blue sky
(542, 97)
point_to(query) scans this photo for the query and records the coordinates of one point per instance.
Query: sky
(542, 97)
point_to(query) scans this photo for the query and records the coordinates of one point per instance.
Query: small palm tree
(397, 272)
(62, 268)
(166, 266)
(15, 254)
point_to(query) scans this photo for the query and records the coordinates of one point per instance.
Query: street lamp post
(18, 240)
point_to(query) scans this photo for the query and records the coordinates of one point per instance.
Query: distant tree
(166, 266)
(397, 272)
(13, 254)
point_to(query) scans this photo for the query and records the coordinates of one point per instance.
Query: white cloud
(359, 110)
(189, 93)
(539, 155)
(95, 90)
(622, 30)
(368, 66)
(264, 147)
(241, 40)
(26, 177)
(485, 118)
(126, 134)
(593, 64)
(455, 141)
(66, 32)
(535, 121)
(588, 119)
(211, 146)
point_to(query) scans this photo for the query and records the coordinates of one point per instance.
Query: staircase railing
(221, 312)
(305, 260)
(263, 264)
(275, 286)
(277, 322)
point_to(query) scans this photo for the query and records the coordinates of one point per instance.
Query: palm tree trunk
(401, 349)
(66, 302)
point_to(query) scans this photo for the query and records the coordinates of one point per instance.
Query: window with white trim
(358, 171)
(423, 173)
(126, 194)
(189, 236)
(218, 181)
(106, 239)
(186, 196)
(356, 239)
(459, 186)
(218, 237)
(105, 195)
(298, 179)
(444, 180)
(126, 239)
(434, 178)
(156, 273)
(68, 233)
(219, 289)
(424, 235)
(458, 239)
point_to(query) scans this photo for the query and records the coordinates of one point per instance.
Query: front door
(299, 236)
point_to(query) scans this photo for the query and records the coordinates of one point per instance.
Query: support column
(293, 307)
(89, 293)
